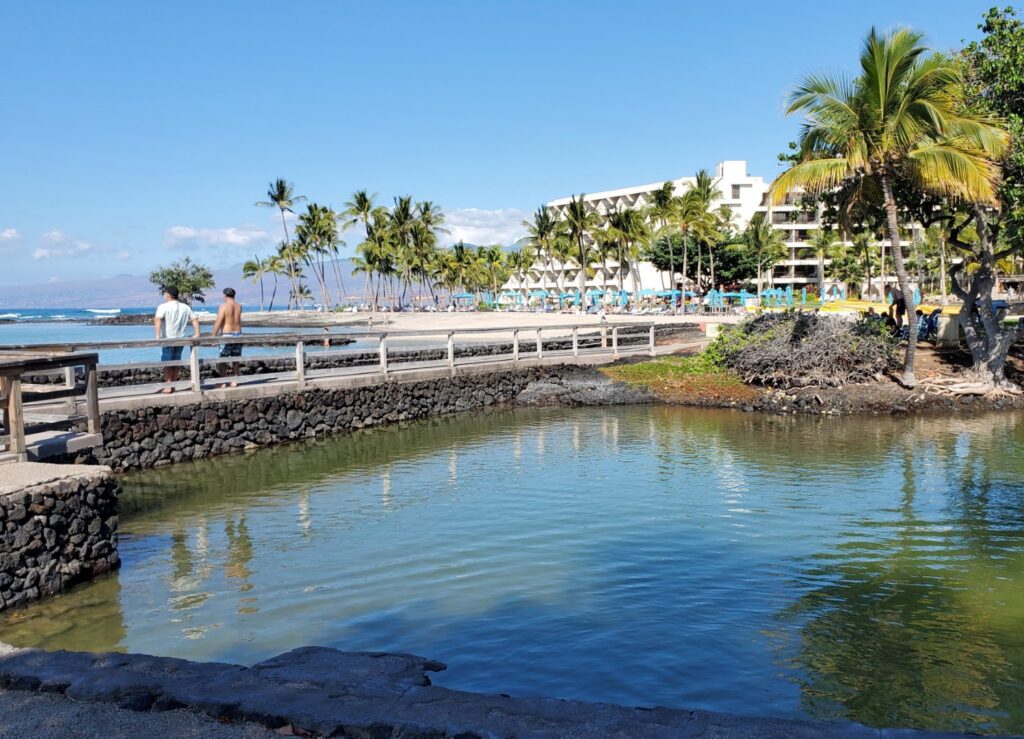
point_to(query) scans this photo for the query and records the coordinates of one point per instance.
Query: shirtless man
(229, 323)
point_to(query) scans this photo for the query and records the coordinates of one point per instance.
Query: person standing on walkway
(229, 324)
(171, 322)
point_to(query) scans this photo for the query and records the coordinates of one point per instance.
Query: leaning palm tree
(254, 269)
(281, 195)
(898, 120)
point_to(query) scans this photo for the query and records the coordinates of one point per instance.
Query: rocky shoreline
(321, 692)
(883, 397)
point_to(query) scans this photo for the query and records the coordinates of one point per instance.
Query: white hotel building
(742, 193)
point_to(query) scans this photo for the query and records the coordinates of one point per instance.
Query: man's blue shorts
(170, 353)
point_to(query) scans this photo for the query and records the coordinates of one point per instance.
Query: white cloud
(53, 280)
(477, 226)
(60, 245)
(124, 255)
(10, 234)
(182, 236)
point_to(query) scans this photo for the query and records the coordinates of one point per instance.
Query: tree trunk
(686, 255)
(291, 264)
(581, 279)
(942, 269)
(881, 270)
(892, 223)
(273, 293)
(671, 271)
(700, 265)
(821, 275)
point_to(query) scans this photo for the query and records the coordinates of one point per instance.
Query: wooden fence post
(92, 399)
(14, 421)
(193, 368)
(69, 383)
(615, 341)
(451, 350)
(300, 361)
(383, 353)
(650, 341)
(540, 346)
(515, 345)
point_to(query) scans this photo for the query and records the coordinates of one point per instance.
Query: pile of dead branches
(798, 349)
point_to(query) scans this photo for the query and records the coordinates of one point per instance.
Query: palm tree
(492, 258)
(765, 244)
(897, 120)
(823, 242)
(629, 227)
(580, 222)
(254, 269)
(275, 266)
(281, 195)
(541, 234)
(359, 210)
(663, 206)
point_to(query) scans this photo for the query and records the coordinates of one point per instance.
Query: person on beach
(170, 322)
(229, 324)
(899, 306)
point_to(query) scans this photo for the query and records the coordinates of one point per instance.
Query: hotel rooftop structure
(744, 195)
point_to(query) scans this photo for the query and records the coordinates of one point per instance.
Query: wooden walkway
(69, 433)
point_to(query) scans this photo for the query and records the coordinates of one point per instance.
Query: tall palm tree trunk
(686, 266)
(291, 263)
(942, 269)
(259, 265)
(821, 274)
(892, 223)
(273, 293)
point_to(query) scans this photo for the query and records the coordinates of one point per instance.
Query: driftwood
(971, 384)
(804, 349)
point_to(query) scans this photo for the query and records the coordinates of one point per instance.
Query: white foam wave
(107, 311)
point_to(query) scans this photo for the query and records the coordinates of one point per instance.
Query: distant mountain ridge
(136, 291)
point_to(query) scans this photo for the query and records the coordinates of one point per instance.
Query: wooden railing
(19, 423)
(578, 339)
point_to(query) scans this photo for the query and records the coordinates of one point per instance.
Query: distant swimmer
(229, 324)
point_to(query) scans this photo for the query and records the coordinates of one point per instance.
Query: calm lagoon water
(862, 568)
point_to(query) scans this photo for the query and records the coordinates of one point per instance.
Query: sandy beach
(495, 324)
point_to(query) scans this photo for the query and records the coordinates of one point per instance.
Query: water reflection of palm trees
(902, 627)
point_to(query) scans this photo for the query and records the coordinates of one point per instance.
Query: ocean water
(73, 326)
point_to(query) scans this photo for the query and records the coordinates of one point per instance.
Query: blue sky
(134, 132)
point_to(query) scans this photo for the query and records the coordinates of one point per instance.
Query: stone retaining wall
(160, 435)
(57, 533)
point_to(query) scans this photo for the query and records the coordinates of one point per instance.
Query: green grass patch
(665, 369)
(697, 379)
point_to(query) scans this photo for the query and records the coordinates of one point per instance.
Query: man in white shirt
(171, 322)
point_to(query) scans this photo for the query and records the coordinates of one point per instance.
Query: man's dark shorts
(231, 350)
(170, 353)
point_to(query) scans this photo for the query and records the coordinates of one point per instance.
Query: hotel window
(735, 192)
